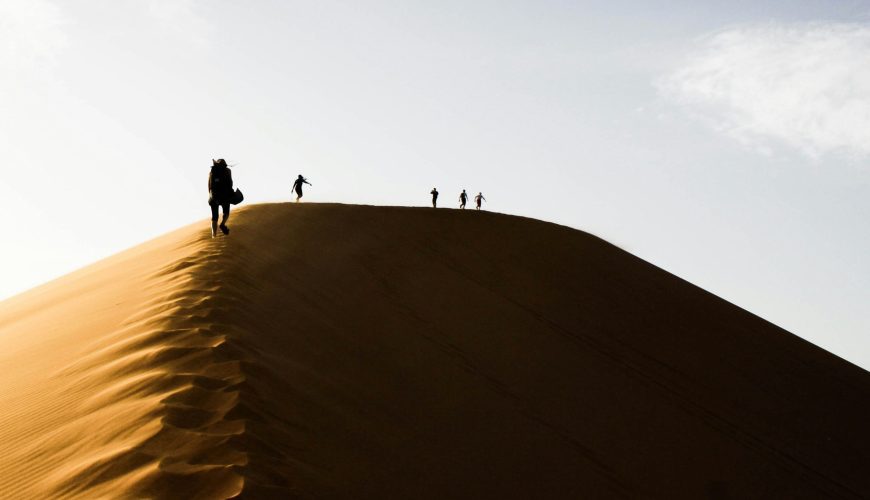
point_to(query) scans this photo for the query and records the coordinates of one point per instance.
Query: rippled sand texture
(377, 352)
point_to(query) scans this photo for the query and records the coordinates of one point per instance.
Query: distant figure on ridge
(220, 193)
(434, 194)
(477, 199)
(462, 199)
(297, 186)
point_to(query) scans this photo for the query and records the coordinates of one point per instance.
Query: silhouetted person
(297, 186)
(477, 199)
(434, 194)
(220, 192)
(462, 199)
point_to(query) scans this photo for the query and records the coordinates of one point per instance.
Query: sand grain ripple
(159, 404)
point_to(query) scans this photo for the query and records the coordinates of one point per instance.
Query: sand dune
(373, 352)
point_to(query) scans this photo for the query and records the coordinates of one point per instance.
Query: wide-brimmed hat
(220, 162)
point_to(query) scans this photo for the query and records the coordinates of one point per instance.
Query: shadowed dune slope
(379, 352)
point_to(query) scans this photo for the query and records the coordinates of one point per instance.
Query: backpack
(221, 183)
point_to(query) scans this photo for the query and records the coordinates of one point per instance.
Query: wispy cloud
(805, 85)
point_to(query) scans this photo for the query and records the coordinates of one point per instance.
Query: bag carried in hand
(237, 197)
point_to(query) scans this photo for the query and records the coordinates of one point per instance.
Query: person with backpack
(479, 198)
(297, 186)
(434, 194)
(462, 199)
(220, 194)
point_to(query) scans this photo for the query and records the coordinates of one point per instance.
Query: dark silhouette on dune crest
(388, 354)
(220, 193)
(297, 186)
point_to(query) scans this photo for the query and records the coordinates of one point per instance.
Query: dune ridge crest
(177, 370)
(372, 352)
(204, 376)
(189, 363)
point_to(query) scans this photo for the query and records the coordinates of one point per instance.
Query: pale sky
(727, 142)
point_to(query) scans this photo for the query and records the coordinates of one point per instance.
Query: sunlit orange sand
(367, 352)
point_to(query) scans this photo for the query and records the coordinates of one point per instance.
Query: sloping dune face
(115, 383)
(368, 352)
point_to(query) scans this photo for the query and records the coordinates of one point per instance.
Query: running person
(478, 199)
(220, 192)
(434, 194)
(297, 186)
(462, 199)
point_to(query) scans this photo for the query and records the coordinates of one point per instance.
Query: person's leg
(214, 218)
(223, 226)
(298, 194)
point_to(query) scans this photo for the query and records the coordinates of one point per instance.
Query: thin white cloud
(805, 85)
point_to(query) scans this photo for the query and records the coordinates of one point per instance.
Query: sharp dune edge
(377, 352)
